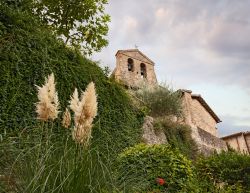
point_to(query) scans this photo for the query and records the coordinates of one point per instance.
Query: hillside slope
(28, 54)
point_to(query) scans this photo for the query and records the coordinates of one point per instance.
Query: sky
(201, 45)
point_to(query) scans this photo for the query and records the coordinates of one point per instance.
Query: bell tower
(134, 68)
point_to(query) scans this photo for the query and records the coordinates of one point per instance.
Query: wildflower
(48, 105)
(85, 110)
(160, 181)
(66, 118)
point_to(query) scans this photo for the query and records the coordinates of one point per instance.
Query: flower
(160, 181)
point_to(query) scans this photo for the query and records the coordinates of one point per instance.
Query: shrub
(178, 136)
(230, 168)
(161, 100)
(141, 166)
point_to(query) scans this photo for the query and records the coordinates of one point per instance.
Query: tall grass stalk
(52, 162)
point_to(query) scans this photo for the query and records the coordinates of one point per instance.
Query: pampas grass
(66, 118)
(48, 105)
(85, 110)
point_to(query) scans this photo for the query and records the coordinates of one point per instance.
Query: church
(134, 68)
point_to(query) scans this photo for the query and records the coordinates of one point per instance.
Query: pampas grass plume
(85, 110)
(66, 118)
(90, 105)
(48, 104)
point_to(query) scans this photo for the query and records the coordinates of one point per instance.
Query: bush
(161, 100)
(229, 168)
(178, 136)
(141, 165)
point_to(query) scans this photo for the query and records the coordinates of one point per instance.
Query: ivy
(28, 53)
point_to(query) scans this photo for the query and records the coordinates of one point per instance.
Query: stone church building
(203, 120)
(134, 68)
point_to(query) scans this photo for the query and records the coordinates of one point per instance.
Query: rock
(150, 136)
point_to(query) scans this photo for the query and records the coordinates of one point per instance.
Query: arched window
(143, 71)
(130, 65)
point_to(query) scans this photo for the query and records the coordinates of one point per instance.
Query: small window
(130, 65)
(143, 71)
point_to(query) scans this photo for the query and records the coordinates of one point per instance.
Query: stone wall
(202, 119)
(196, 116)
(208, 143)
(202, 123)
(239, 142)
(133, 78)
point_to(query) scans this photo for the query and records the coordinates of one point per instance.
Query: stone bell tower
(134, 68)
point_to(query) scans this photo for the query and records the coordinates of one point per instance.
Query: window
(130, 65)
(143, 71)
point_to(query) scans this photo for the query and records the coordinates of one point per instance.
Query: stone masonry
(134, 68)
(198, 114)
(239, 141)
(202, 120)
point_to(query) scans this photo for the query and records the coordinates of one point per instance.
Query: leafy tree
(80, 23)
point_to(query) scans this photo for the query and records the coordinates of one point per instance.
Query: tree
(80, 23)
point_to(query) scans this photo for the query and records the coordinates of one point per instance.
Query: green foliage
(47, 160)
(79, 23)
(37, 158)
(82, 24)
(18, 4)
(141, 165)
(178, 136)
(28, 53)
(228, 167)
(161, 100)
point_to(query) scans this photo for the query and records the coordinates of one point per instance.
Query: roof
(203, 103)
(135, 50)
(236, 134)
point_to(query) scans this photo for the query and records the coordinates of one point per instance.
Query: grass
(47, 160)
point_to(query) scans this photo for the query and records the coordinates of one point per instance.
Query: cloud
(192, 42)
(231, 124)
(188, 40)
(230, 39)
